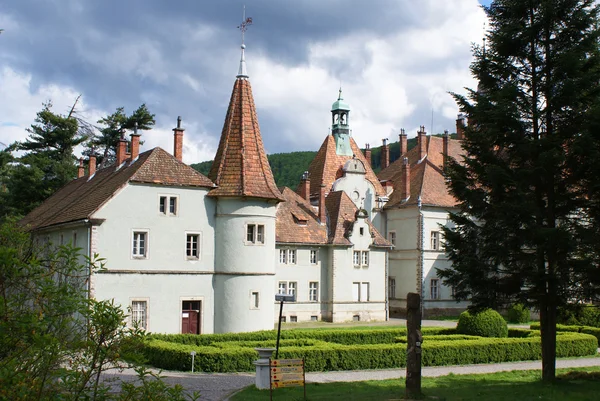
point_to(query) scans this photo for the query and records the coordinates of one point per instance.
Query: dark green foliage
(584, 315)
(518, 313)
(594, 331)
(528, 188)
(438, 350)
(485, 323)
(113, 127)
(55, 343)
(47, 165)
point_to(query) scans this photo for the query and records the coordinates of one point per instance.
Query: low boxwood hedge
(594, 331)
(338, 336)
(324, 356)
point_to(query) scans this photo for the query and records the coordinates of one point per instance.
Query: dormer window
(300, 218)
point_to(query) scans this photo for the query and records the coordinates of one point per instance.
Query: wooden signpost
(286, 373)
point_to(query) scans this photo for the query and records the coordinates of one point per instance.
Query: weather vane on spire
(242, 27)
(245, 23)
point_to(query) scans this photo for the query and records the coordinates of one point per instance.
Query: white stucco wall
(303, 273)
(163, 293)
(165, 277)
(243, 268)
(136, 208)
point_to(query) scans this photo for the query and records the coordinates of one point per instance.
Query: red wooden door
(190, 317)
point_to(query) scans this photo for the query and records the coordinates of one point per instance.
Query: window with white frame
(360, 292)
(360, 258)
(313, 291)
(255, 234)
(139, 314)
(392, 237)
(356, 258)
(434, 289)
(282, 288)
(287, 256)
(391, 287)
(313, 256)
(435, 240)
(292, 286)
(192, 246)
(365, 258)
(283, 256)
(139, 247)
(167, 205)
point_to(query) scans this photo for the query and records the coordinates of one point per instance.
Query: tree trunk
(548, 329)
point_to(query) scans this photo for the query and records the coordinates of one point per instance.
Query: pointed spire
(242, 73)
(241, 167)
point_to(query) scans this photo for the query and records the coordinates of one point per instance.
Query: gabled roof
(427, 179)
(241, 167)
(82, 197)
(289, 227)
(327, 167)
(342, 214)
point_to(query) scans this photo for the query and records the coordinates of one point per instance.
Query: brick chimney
(121, 149)
(460, 126)
(405, 194)
(305, 186)
(322, 212)
(178, 140)
(403, 139)
(368, 154)
(92, 164)
(80, 171)
(422, 142)
(135, 142)
(445, 150)
(385, 154)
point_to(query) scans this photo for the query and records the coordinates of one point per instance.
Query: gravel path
(220, 386)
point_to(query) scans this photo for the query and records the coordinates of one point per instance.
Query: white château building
(194, 254)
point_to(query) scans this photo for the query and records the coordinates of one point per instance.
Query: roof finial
(340, 94)
(242, 27)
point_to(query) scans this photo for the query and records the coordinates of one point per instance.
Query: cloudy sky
(396, 60)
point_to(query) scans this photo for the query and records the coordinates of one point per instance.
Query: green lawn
(579, 385)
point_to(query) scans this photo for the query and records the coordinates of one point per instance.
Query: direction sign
(287, 373)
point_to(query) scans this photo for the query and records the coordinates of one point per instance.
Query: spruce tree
(525, 225)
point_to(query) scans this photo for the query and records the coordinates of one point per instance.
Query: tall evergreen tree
(522, 232)
(47, 165)
(106, 141)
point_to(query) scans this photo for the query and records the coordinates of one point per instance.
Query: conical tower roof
(241, 167)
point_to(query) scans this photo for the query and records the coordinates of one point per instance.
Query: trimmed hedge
(334, 356)
(580, 315)
(338, 336)
(445, 337)
(594, 331)
(486, 323)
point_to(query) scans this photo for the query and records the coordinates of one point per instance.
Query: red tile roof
(341, 213)
(241, 167)
(426, 178)
(327, 167)
(81, 198)
(289, 226)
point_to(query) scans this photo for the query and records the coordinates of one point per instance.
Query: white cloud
(390, 81)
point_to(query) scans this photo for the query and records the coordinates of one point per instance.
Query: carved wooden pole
(413, 350)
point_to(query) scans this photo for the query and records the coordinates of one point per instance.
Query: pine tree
(523, 231)
(106, 141)
(47, 165)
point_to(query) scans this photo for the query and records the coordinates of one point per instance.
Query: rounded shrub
(518, 314)
(486, 323)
